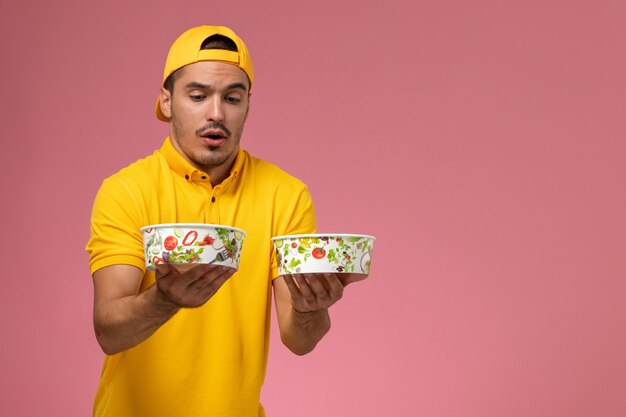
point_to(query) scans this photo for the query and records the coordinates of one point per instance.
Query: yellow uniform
(208, 361)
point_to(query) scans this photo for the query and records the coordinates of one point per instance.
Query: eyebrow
(238, 85)
(196, 84)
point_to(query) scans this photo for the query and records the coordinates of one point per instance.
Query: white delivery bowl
(338, 253)
(185, 245)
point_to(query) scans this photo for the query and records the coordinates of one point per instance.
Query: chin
(213, 159)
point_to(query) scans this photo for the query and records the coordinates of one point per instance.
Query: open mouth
(214, 137)
(214, 134)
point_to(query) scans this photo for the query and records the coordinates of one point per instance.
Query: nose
(215, 112)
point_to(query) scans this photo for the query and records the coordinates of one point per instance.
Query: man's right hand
(124, 316)
(193, 287)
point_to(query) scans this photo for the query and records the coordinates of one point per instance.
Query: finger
(203, 289)
(301, 281)
(164, 269)
(166, 278)
(317, 277)
(335, 286)
(213, 280)
(199, 273)
(210, 274)
(318, 285)
(211, 288)
(308, 295)
(291, 285)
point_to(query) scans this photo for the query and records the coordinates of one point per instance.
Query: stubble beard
(216, 156)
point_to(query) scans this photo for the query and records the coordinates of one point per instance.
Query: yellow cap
(186, 50)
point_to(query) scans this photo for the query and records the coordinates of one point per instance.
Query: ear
(165, 101)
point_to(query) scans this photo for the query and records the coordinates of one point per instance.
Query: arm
(302, 302)
(123, 317)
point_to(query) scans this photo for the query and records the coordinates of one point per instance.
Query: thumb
(163, 270)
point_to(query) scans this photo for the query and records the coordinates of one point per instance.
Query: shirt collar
(182, 167)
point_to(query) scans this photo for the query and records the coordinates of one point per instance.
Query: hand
(313, 292)
(193, 287)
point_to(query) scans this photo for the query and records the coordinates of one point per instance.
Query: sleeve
(302, 221)
(115, 228)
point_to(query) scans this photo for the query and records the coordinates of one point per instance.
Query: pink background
(482, 142)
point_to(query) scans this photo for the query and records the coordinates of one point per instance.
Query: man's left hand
(313, 292)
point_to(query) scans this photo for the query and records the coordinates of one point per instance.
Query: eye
(233, 99)
(197, 97)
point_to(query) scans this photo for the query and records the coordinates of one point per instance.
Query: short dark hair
(219, 42)
(212, 42)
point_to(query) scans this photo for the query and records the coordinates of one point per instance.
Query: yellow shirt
(208, 361)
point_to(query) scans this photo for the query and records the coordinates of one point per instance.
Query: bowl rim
(191, 225)
(322, 235)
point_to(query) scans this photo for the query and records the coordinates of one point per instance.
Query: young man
(196, 343)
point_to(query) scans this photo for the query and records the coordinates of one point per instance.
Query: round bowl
(318, 253)
(185, 245)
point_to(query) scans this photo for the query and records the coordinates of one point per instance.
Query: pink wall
(482, 142)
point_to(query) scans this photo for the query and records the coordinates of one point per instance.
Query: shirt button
(213, 199)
